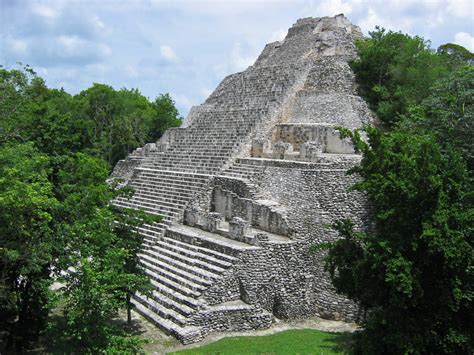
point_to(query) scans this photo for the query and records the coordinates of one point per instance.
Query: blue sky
(187, 47)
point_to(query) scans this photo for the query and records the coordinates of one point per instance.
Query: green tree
(53, 189)
(116, 122)
(102, 262)
(458, 54)
(413, 271)
(449, 112)
(395, 71)
(165, 115)
(16, 94)
(27, 206)
(126, 223)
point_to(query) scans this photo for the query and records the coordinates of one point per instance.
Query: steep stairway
(189, 266)
(182, 265)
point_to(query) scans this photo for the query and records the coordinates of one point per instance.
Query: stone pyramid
(247, 184)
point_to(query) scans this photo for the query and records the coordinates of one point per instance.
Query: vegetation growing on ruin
(413, 271)
(56, 151)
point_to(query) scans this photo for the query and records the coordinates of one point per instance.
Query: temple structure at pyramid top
(247, 183)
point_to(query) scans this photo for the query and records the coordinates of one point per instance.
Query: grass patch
(295, 341)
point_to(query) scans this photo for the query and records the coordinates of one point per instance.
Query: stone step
(202, 262)
(164, 199)
(186, 334)
(150, 235)
(194, 269)
(194, 154)
(178, 287)
(159, 192)
(161, 310)
(173, 173)
(176, 175)
(184, 163)
(171, 303)
(195, 248)
(165, 218)
(199, 146)
(187, 157)
(170, 180)
(192, 168)
(158, 185)
(156, 210)
(145, 201)
(209, 241)
(155, 227)
(188, 277)
(236, 175)
(180, 298)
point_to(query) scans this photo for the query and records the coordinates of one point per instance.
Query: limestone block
(193, 217)
(337, 145)
(238, 227)
(213, 220)
(311, 150)
(258, 147)
(148, 148)
(162, 146)
(280, 148)
(261, 237)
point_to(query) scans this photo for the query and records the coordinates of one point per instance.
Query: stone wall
(323, 134)
(248, 184)
(283, 278)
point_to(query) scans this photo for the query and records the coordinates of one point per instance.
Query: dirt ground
(160, 343)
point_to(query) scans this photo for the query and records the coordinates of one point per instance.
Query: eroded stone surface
(247, 184)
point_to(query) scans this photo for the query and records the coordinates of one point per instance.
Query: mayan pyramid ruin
(249, 181)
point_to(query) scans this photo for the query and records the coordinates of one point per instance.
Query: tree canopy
(56, 220)
(412, 270)
(395, 71)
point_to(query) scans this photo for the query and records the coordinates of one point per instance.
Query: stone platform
(247, 183)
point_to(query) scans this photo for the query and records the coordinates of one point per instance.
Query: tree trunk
(129, 310)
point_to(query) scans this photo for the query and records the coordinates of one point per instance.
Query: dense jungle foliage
(56, 151)
(412, 271)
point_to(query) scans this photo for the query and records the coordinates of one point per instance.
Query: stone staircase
(241, 169)
(208, 275)
(182, 265)
(184, 262)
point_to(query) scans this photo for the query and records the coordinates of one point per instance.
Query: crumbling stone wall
(248, 184)
(284, 278)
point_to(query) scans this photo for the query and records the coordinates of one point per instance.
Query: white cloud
(464, 39)
(388, 16)
(45, 11)
(168, 53)
(205, 92)
(98, 22)
(334, 7)
(183, 101)
(77, 47)
(461, 9)
(239, 60)
(104, 50)
(131, 71)
(141, 72)
(278, 35)
(71, 45)
(18, 46)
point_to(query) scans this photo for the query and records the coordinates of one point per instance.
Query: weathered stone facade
(249, 182)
